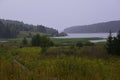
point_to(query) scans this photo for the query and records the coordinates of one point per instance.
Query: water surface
(87, 35)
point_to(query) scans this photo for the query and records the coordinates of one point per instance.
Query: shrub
(79, 44)
(41, 41)
(89, 44)
(24, 42)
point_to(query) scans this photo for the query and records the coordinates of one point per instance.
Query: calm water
(87, 35)
(96, 41)
(90, 35)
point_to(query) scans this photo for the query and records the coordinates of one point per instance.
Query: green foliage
(58, 63)
(28, 63)
(58, 51)
(113, 44)
(89, 44)
(24, 41)
(36, 40)
(42, 41)
(12, 29)
(79, 44)
(71, 41)
(110, 43)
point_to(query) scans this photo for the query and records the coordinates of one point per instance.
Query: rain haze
(60, 14)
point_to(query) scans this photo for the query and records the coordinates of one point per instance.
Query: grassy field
(72, 41)
(58, 63)
(57, 41)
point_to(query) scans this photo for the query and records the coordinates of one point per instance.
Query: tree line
(11, 29)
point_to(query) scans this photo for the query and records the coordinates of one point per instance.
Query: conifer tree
(117, 44)
(110, 43)
(113, 44)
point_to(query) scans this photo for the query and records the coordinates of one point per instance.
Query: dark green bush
(89, 44)
(79, 44)
(41, 41)
(24, 41)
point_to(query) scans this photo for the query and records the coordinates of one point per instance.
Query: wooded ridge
(103, 27)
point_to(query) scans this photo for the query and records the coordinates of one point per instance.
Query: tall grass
(30, 64)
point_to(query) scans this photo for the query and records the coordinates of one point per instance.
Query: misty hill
(104, 27)
(11, 29)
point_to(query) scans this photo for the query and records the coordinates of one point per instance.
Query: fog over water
(60, 14)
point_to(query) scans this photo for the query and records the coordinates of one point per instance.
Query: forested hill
(11, 29)
(104, 27)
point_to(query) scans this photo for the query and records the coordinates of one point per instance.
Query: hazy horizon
(60, 14)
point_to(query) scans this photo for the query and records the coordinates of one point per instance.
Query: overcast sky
(60, 14)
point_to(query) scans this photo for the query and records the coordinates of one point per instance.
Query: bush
(24, 42)
(89, 44)
(79, 44)
(41, 41)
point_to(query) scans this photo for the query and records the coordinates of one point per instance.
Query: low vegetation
(58, 63)
(80, 60)
(72, 41)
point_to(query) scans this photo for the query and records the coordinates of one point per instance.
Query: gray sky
(60, 14)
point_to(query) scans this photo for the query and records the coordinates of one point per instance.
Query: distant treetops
(113, 44)
(38, 41)
(12, 29)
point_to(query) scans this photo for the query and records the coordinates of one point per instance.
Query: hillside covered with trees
(11, 29)
(104, 27)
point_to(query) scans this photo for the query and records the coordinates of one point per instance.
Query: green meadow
(58, 62)
(72, 41)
